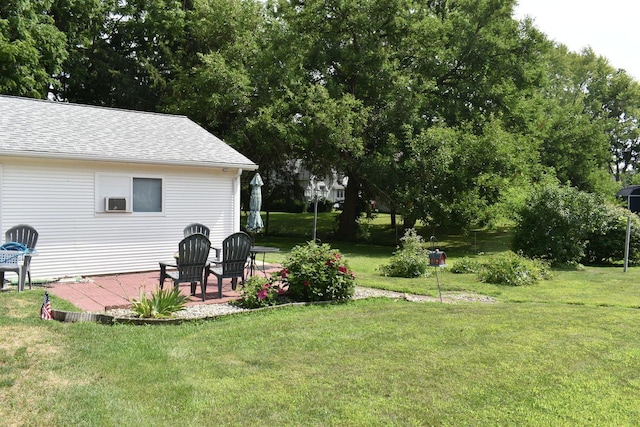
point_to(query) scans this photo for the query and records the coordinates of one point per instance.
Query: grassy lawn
(563, 352)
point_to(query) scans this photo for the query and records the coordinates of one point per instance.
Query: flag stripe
(45, 310)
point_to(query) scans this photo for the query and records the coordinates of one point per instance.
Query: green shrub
(162, 303)
(315, 272)
(556, 222)
(607, 243)
(410, 259)
(466, 265)
(287, 205)
(260, 291)
(324, 205)
(513, 270)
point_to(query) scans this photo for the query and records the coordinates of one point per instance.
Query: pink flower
(281, 291)
(329, 263)
(338, 256)
(262, 294)
(342, 269)
(306, 283)
(284, 273)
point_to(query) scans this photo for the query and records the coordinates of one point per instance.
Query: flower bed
(310, 273)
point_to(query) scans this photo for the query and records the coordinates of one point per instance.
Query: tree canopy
(441, 110)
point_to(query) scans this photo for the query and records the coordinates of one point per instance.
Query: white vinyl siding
(58, 198)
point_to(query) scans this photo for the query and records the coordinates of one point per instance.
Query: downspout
(236, 198)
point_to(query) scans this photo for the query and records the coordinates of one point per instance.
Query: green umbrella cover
(254, 221)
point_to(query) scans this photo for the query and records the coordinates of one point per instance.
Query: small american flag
(45, 311)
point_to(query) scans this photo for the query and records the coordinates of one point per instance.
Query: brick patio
(99, 293)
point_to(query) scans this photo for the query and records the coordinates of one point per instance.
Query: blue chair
(25, 235)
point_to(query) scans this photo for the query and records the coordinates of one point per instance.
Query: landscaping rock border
(211, 311)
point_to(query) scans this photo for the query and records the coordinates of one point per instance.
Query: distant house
(111, 190)
(329, 187)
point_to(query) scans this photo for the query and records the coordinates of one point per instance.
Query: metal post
(626, 244)
(438, 280)
(433, 241)
(315, 214)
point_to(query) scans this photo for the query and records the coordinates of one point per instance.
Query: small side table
(259, 250)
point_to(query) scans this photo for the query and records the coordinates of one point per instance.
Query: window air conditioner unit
(116, 204)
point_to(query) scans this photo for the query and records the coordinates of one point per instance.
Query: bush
(410, 259)
(162, 303)
(315, 272)
(607, 242)
(556, 223)
(513, 270)
(324, 205)
(287, 205)
(259, 291)
(466, 265)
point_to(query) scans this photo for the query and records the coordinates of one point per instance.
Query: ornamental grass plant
(161, 303)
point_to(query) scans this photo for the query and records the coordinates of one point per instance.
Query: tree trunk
(408, 223)
(348, 223)
(266, 224)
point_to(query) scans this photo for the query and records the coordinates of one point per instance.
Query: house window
(121, 193)
(147, 195)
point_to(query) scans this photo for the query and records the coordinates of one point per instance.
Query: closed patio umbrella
(254, 221)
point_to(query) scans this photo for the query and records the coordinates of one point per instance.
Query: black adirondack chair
(192, 264)
(196, 228)
(28, 236)
(236, 249)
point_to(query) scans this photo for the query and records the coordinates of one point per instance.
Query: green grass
(376, 362)
(564, 352)
(300, 227)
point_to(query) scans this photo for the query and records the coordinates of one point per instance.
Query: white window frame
(119, 185)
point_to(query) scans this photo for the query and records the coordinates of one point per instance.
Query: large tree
(587, 118)
(437, 108)
(232, 81)
(613, 98)
(122, 53)
(32, 48)
(406, 67)
(348, 56)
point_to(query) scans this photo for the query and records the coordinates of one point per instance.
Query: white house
(328, 187)
(111, 190)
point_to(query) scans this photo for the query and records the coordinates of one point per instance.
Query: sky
(609, 27)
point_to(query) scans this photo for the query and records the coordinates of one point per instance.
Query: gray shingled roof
(48, 129)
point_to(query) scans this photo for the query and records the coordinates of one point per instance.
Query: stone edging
(107, 319)
(74, 316)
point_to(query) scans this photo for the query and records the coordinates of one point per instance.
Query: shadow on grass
(287, 230)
